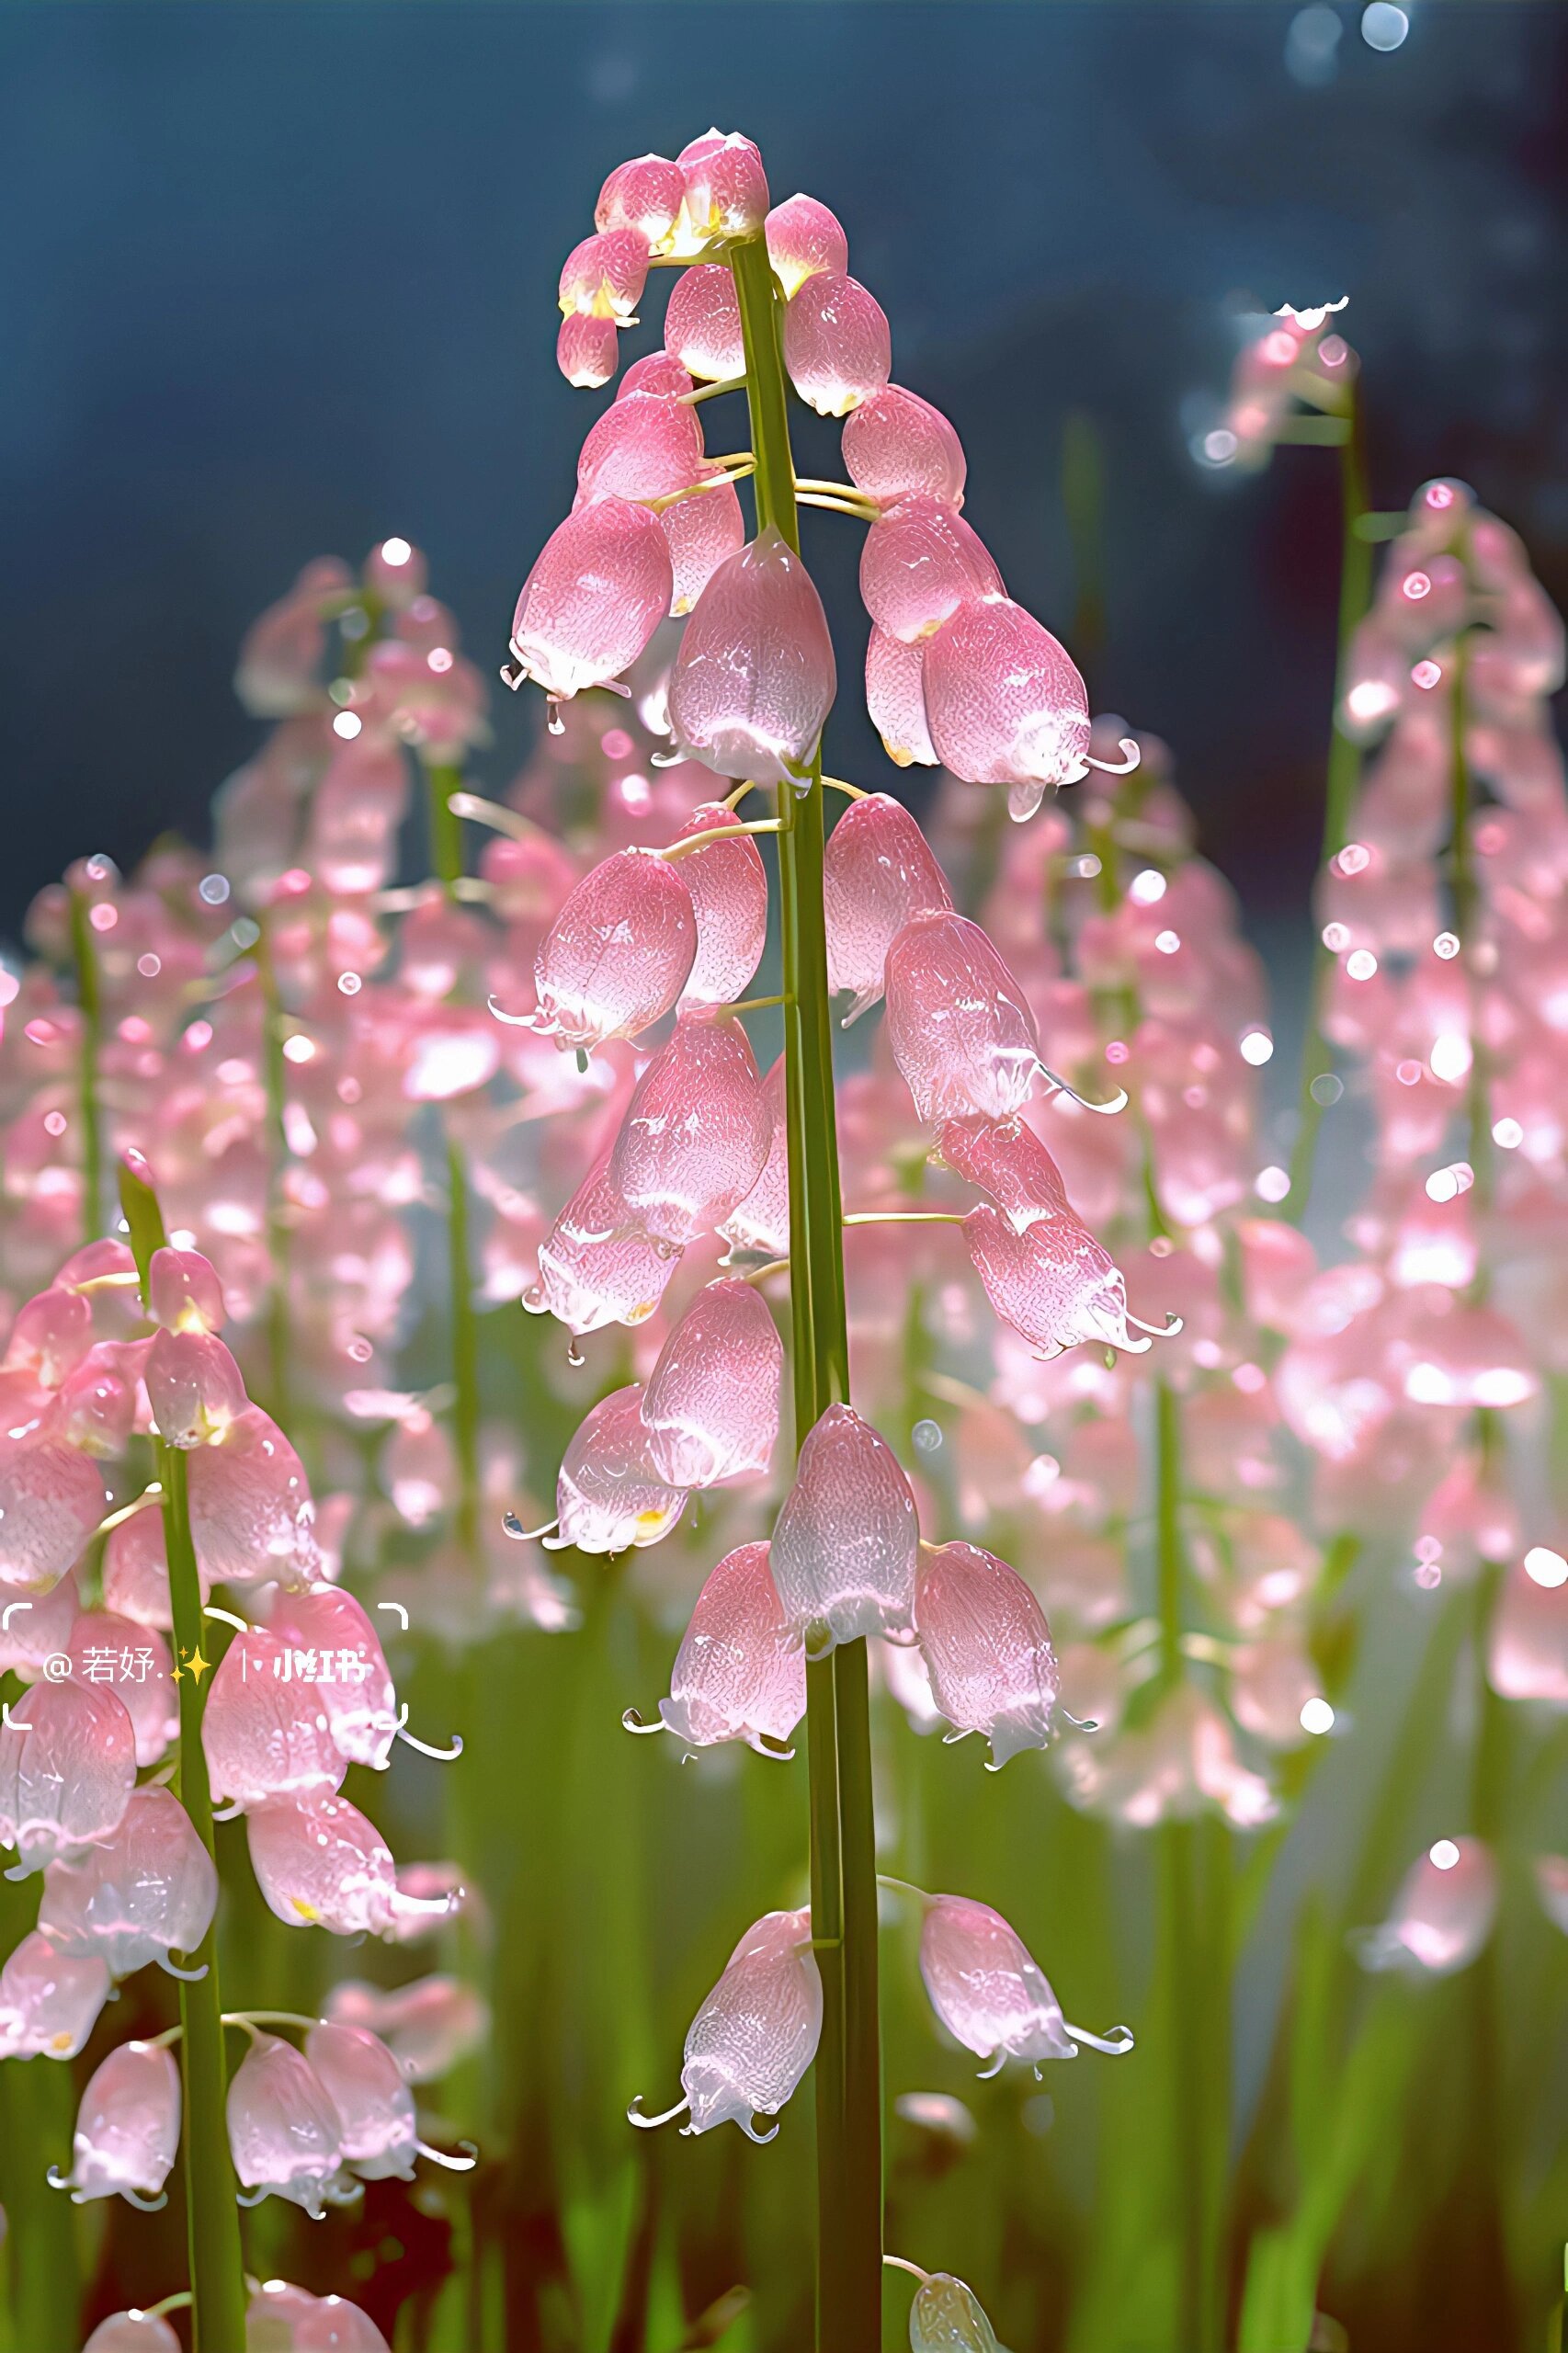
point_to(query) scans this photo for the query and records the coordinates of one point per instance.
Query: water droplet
(927, 1436)
(574, 1356)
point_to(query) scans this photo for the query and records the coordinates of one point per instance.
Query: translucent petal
(837, 342)
(702, 324)
(126, 2133)
(598, 590)
(598, 1265)
(619, 953)
(897, 444)
(695, 1135)
(738, 1674)
(987, 1647)
(919, 564)
(895, 700)
(960, 1025)
(147, 1890)
(710, 1408)
(755, 677)
(729, 893)
(67, 1769)
(283, 2129)
(844, 1544)
(757, 2032)
(608, 1494)
(1005, 702)
(985, 1984)
(803, 238)
(878, 873)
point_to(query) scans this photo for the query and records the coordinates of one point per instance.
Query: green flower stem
(90, 1000)
(844, 1866)
(212, 2221)
(1344, 771)
(446, 860)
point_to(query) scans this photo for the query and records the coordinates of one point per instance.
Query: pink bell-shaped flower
(987, 1648)
(803, 239)
(603, 278)
(184, 1293)
(1527, 1654)
(960, 1025)
(845, 1539)
(656, 372)
(1053, 1283)
(702, 323)
(67, 1769)
(49, 2001)
(919, 564)
(135, 1662)
(148, 1890)
(726, 188)
(761, 1222)
(608, 1494)
(351, 1681)
(284, 2133)
(586, 350)
(428, 2026)
(837, 343)
(598, 1266)
(265, 1730)
(318, 1861)
(695, 1135)
(619, 953)
(126, 2133)
(598, 590)
(284, 2319)
(756, 2033)
(877, 874)
(947, 2316)
(738, 1674)
(644, 446)
(1442, 1914)
(755, 677)
(702, 532)
(896, 445)
(1006, 704)
(710, 1408)
(1008, 1161)
(251, 1511)
(133, 2332)
(370, 2093)
(646, 194)
(895, 700)
(991, 1994)
(194, 1386)
(728, 885)
(51, 1499)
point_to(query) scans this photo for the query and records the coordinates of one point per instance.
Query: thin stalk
(446, 857)
(441, 781)
(843, 1841)
(1343, 772)
(212, 2221)
(90, 1000)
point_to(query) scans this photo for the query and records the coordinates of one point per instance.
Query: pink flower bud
(1052, 1282)
(352, 1683)
(619, 952)
(702, 324)
(1006, 704)
(132, 2332)
(804, 238)
(644, 446)
(594, 597)
(126, 2133)
(877, 874)
(1008, 1161)
(194, 1386)
(960, 1025)
(656, 372)
(1527, 1643)
(428, 2026)
(284, 2132)
(897, 444)
(184, 1293)
(895, 700)
(756, 2033)
(991, 1994)
(604, 276)
(728, 884)
(645, 195)
(695, 1136)
(586, 350)
(67, 1769)
(598, 1266)
(701, 532)
(110, 1651)
(755, 677)
(919, 564)
(986, 1644)
(608, 1493)
(251, 1511)
(738, 1674)
(1442, 1914)
(837, 343)
(317, 1861)
(146, 1891)
(947, 2316)
(711, 1409)
(370, 2091)
(726, 188)
(844, 1543)
(51, 1499)
(351, 841)
(48, 2003)
(263, 1729)
(762, 1219)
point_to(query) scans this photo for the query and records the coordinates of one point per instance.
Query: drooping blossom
(738, 1674)
(52, 1498)
(645, 445)
(726, 188)
(878, 875)
(604, 276)
(960, 1026)
(319, 1863)
(67, 1769)
(586, 350)
(428, 2026)
(1006, 703)
(803, 238)
(991, 1994)
(352, 1685)
(1442, 1914)
(132, 2332)
(711, 1407)
(284, 2133)
(281, 2318)
(756, 2033)
(252, 1514)
(646, 194)
(1007, 1160)
(920, 563)
(701, 532)
(761, 1220)
(897, 446)
(146, 1892)
(101, 1645)
(265, 1731)
(845, 1539)
(986, 1646)
(127, 2134)
(608, 1493)
(598, 1265)
(837, 342)
(600, 588)
(619, 953)
(895, 700)
(370, 2091)
(1053, 1282)
(947, 2316)
(755, 677)
(728, 886)
(702, 323)
(49, 2001)
(695, 1135)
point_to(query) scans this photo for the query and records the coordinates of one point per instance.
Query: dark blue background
(278, 278)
